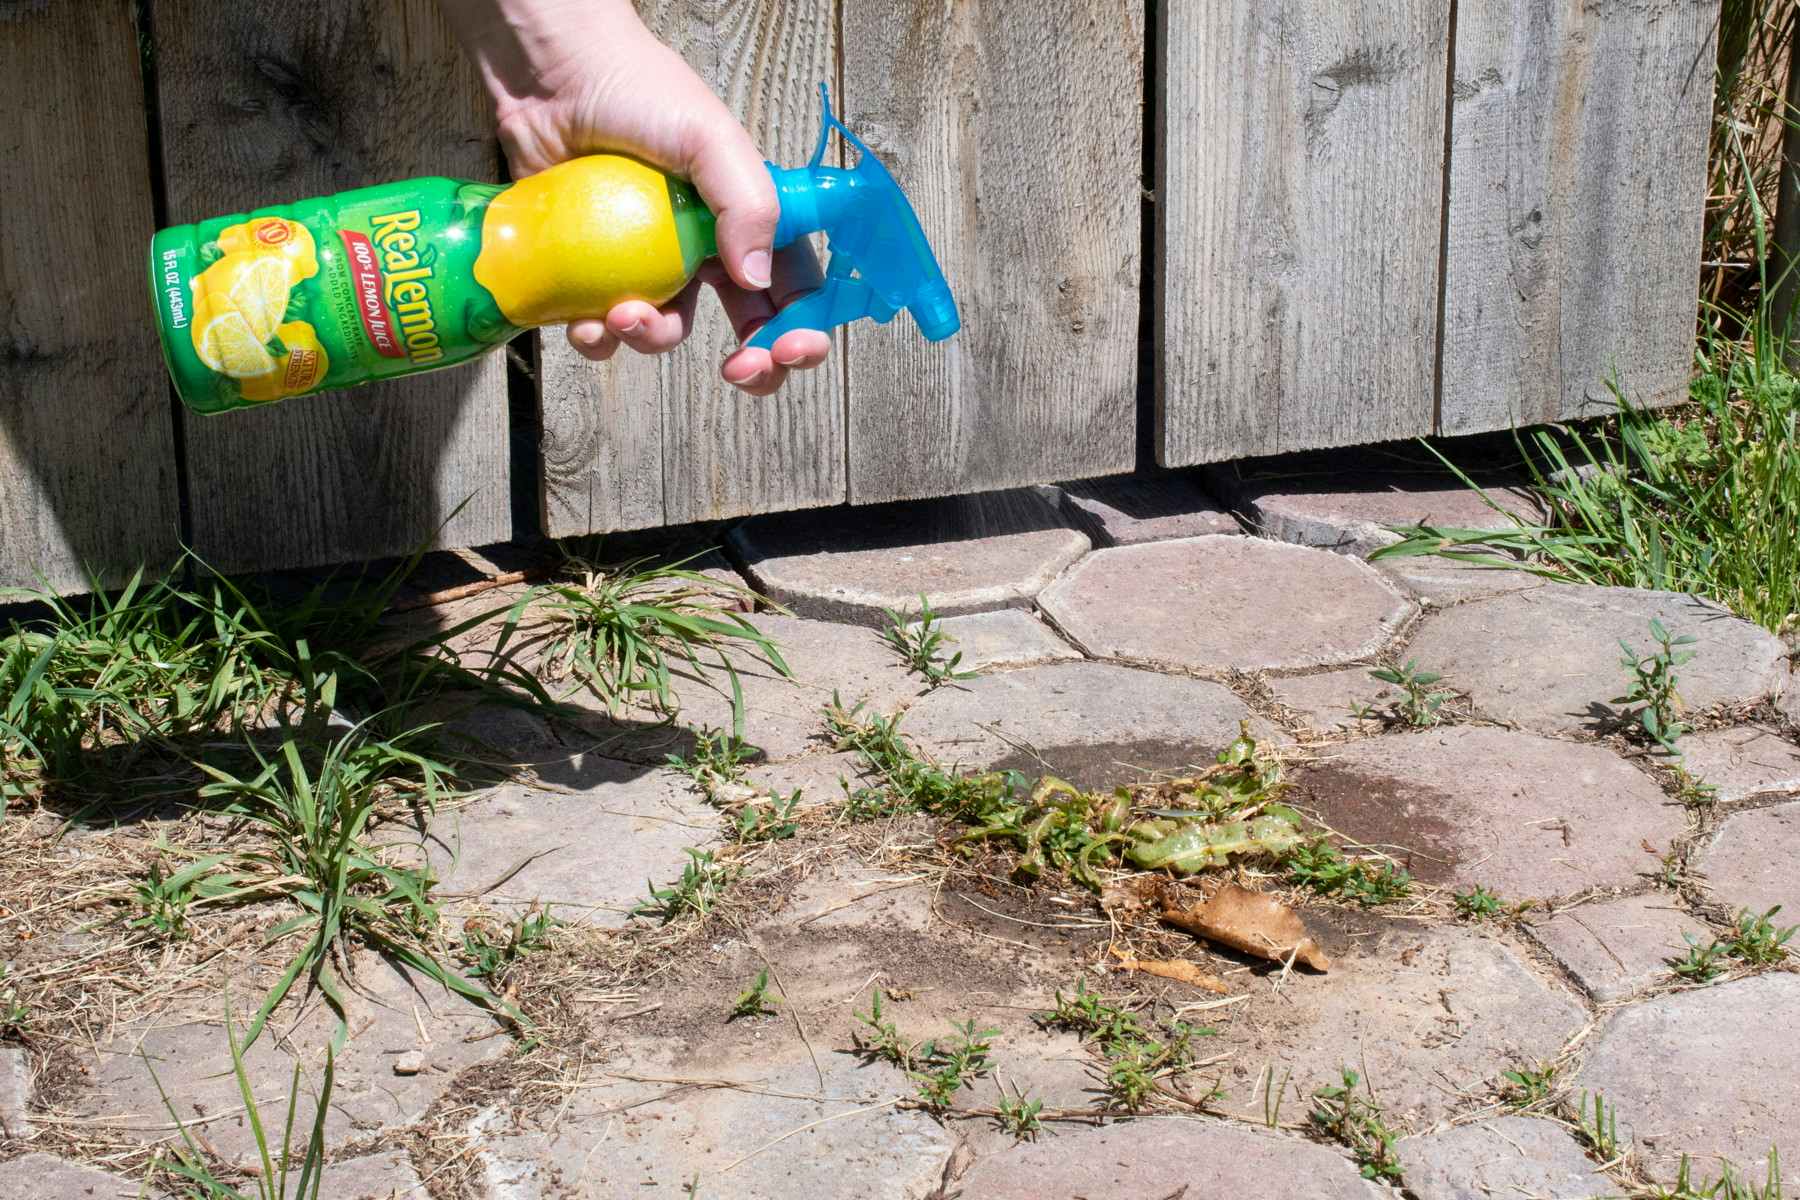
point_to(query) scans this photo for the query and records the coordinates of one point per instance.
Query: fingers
(644, 327)
(591, 339)
(735, 184)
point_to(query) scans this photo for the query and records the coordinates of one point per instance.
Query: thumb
(731, 178)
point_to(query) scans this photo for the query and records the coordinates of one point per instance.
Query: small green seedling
(1419, 705)
(718, 757)
(770, 820)
(1322, 867)
(1694, 792)
(1478, 904)
(1728, 1186)
(703, 880)
(1600, 1126)
(1136, 1055)
(1701, 962)
(951, 1066)
(883, 1043)
(489, 955)
(1652, 685)
(920, 644)
(754, 1001)
(1018, 1115)
(1526, 1086)
(1357, 1123)
(1756, 941)
(162, 898)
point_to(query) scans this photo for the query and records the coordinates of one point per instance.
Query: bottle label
(324, 294)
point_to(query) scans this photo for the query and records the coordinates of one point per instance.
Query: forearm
(523, 47)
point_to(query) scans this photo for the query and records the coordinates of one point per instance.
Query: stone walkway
(1119, 630)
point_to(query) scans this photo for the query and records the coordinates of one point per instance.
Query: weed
(1600, 1127)
(703, 880)
(948, 1067)
(1756, 941)
(920, 644)
(1135, 1055)
(1694, 792)
(1701, 962)
(1478, 904)
(754, 1001)
(770, 820)
(1728, 1186)
(1419, 705)
(1526, 1086)
(1018, 1115)
(490, 953)
(1322, 867)
(1356, 1123)
(162, 899)
(617, 631)
(15, 1013)
(718, 757)
(1671, 870)
(1652, 685)
(883, 1042)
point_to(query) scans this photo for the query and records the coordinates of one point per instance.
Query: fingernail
(756, 268)
(634, 327)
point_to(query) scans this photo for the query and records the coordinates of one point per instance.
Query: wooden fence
(1367, 219)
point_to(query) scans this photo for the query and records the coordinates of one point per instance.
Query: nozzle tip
(936, 316)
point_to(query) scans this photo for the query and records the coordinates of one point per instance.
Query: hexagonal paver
(1425, 1015)
(1508, 1156)
(15, 1094)
(389, 1016)
(1742, 762)
(1093, 723)
(1011, 637)
(46, 1177)
(1125, 512)
(1325, 701)
(1221, 603)
(385, 1176)
(1751, 864)
(1442, 582)
(964, 553)
(1347, 506)
(610, 1140)
(1156, 1159)
(1522, 815)
(1713, 1073)
(1548, 659)
(588, 852)
(1614, 948)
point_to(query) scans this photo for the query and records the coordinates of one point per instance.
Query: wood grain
(1577, 185)
(1300, 202)
(1017, 131)
(267, 101)
(632, 443)
(87, 465)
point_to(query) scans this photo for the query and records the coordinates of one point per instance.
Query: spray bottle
(413, 276)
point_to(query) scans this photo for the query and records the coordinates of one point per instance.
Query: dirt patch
(1402, 819)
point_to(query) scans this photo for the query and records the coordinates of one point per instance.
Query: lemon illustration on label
(274, 235)
(299, 367)
(225, 341)
(254, 285)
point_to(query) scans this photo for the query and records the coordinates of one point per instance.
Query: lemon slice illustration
(260, 293)
(226, 343)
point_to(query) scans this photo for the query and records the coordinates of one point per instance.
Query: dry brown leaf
(1178, 969)
(1251, 922)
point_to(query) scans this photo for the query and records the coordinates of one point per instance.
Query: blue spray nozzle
(879, 260)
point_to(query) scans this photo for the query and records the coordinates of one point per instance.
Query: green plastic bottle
(427, 273)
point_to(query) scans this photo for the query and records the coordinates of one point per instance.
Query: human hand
(573, 77)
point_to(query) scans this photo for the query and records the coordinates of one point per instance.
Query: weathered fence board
(1577, 178)
(87, 464)
(265, 101)
(1017, 130)
(1300, 201)
(636, 443)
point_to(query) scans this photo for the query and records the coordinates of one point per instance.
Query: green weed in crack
(1522, 1087)
(1598, 1125)
(1356, 1122)
(1321, 866)
(767, 819)
(490, 951)
(1017, 1114)
(703, 880)
(1755, 941)
(920, 644)
(1135, 1055)
(1478, 904)
(1652, 681)
(15, 1010)
(1419, 704)
(943, 1067)
(1729, 1185)
(882, 1042)
(718, 757)
(754, 1001)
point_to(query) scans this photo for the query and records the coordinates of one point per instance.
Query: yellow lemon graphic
(224, 340)
(254, 285)
(274, 235)
(576, 239)
(300, 368)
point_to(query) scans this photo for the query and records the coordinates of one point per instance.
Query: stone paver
(385, 1176)
(1158, 1158)
(1442, 582)
(1325, 700)
(1011, 637)
(964, 554)
(1742, 762)
(1219, 603)
(1424, 1014)
(715, 1135)
(1751, 864)
(1349, 511)
(1789, 704)
(15, 1094)
(1614, 948)
(1125, 512)
(1092, 722)
(1506, 1157)
(1713, 1072)
(1548, 659)
(1522, 815)
(46, 1177)
(193, 1062)
(587, 853)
